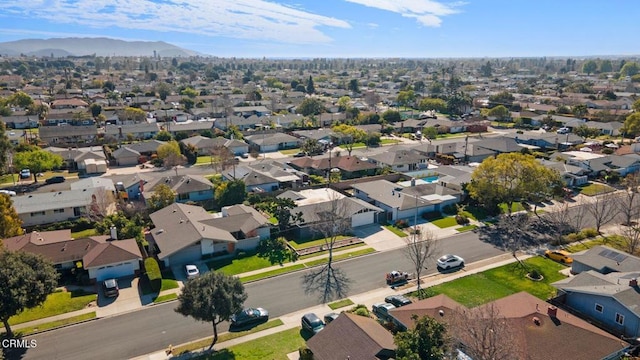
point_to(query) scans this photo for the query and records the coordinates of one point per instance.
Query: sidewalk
(369, 298)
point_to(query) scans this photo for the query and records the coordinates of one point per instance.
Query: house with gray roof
(245, 223)
(273, 142)
(604, 259)
(55, 206)
(206, 145)
(611, 300)
(187, 188)
(75, 157)
(264, 176)
(68, 134)
(140, 131)
(400, 160)
(405, 201)
(571, 175)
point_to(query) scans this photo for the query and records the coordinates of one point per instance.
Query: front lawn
(240, 264)
(389, 141)
(163, 298)
(55, 324)
(270, 273)
(84, 233)
(445, 222)
(60, 302)
(594, 189)
(340, 304)
(272, 347)
(203, 160)
(466, 228)
(515, 207)
(614, 241)
(481, 288)
(396, 231)
(290, 151)
(339, 257)
(303, 244)
(168, 284)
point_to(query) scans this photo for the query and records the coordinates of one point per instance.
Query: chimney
(633, 282)
(552, 311)
(114, 233)
(413, 182)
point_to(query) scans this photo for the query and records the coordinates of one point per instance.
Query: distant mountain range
(61, 47)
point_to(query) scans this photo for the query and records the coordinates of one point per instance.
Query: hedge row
(153, 273)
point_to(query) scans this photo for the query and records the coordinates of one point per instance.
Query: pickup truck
(395, 277)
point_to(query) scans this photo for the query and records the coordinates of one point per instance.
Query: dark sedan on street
(248, 317)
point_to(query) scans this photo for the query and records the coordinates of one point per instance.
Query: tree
(508, 178)
(354, 86)
(627, 202)
(430, 132)
(281, 209)
(163, 89)
(162, 197)
(420, 247)
(580, 110)
(230, 193)
(125, 228)
(502, 98)
(427, 340)
(310, 106)
(485, 333)
(101, 204)
(170, 148)
(631, 125)
(212, 297)
(499, 112)
(96, 109)
(589, 67)
(10, 223)
(190, 92)
(435, 104)
(312, 146)
(5, 147)
(37, 161)
(276, 250)
(310, 87)
(330, 222)
(486, 69)
(26, 280)
(606, 66)
(406, 97)
(603, 208)
(391, 116)
(630, 69)
(20, 99)
(163, 135)
(350, 136)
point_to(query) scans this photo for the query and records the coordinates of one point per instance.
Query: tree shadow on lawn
(520, 231)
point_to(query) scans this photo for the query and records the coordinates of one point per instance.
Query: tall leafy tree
(508, 178)
(162, 197)
(212, 297)
(354, 86)
(37, 161)
(589, 67)
(5, 147)
(350, 135)
(310, 106)
(310, 86)
(631, 126)
(10, 223)
(438, 105)
(230, 193)
(26, 280)
(428, 340)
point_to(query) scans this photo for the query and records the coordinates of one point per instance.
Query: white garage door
(361, 219)
(115, 271)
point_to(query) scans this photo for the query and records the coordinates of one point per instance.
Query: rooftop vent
(536, 320)
(633, 282)
(441, 312)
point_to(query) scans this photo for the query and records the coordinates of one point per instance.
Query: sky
(341, 28)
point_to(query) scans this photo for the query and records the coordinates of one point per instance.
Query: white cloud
(426, 12)
(372, 25)
(245, 19)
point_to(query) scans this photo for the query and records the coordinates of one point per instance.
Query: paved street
(154, 328)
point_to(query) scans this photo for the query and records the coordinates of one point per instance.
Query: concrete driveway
(378, 237)
(180, 273)
(129, 298)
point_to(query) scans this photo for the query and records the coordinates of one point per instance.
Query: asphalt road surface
(156, 327)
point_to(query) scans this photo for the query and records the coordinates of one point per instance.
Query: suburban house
(186, 187)
(406, 201)
(272, 142)
(246, 111)
(240, 122)
(140, 131)
(68, 134)
(49, 207)
(352, 337)
(313, 202)
(72, 103)
(102, 256)
(399, 160)
(76, 158)
(571, 175)
(610, 300)
(186, 233)
(21, 121)
(350, 166)
(189, 127)
(604, 260)
(541, 331)
(133, 154)
(206, 145)
(264, 176)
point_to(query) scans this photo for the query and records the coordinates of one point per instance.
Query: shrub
(305, 353)
(535, 274)
(462, 219)
(360, 310)
(154, 275)
(589, 233)
(401, 224)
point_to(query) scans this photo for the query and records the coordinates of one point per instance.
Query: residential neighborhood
(297, 187)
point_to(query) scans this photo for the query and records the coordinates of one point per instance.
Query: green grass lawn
(396, 231)
(266, 274)
(203, 160)
(481, 288)
(445, 222)
(238, 265)
(316, 254)
(340, 304)
(341, 257)
(616, 242)
(466, 228)
(303, 244)
(54, 324)
(596, 189)
(389, 141)
(84, 233)
(57, 303)
(290, 151)
(168, 284)
(272, 347)
(167, 297)
(515, 207)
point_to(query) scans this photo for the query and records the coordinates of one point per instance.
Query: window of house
(37, 213)
(183, 196)
(58, 211)
(620, 319)
(599, 308)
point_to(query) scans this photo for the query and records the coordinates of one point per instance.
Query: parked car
(25, 174)
(382, 310)
(245, 155)
(249, 316)
(110, 288)
(330, 317)
(300, 154)
(192, 271)
(312, 323)
(563, 130)
(8, 192)
(55, 180)
(397, 300)
(559, 255)
(450, 261)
